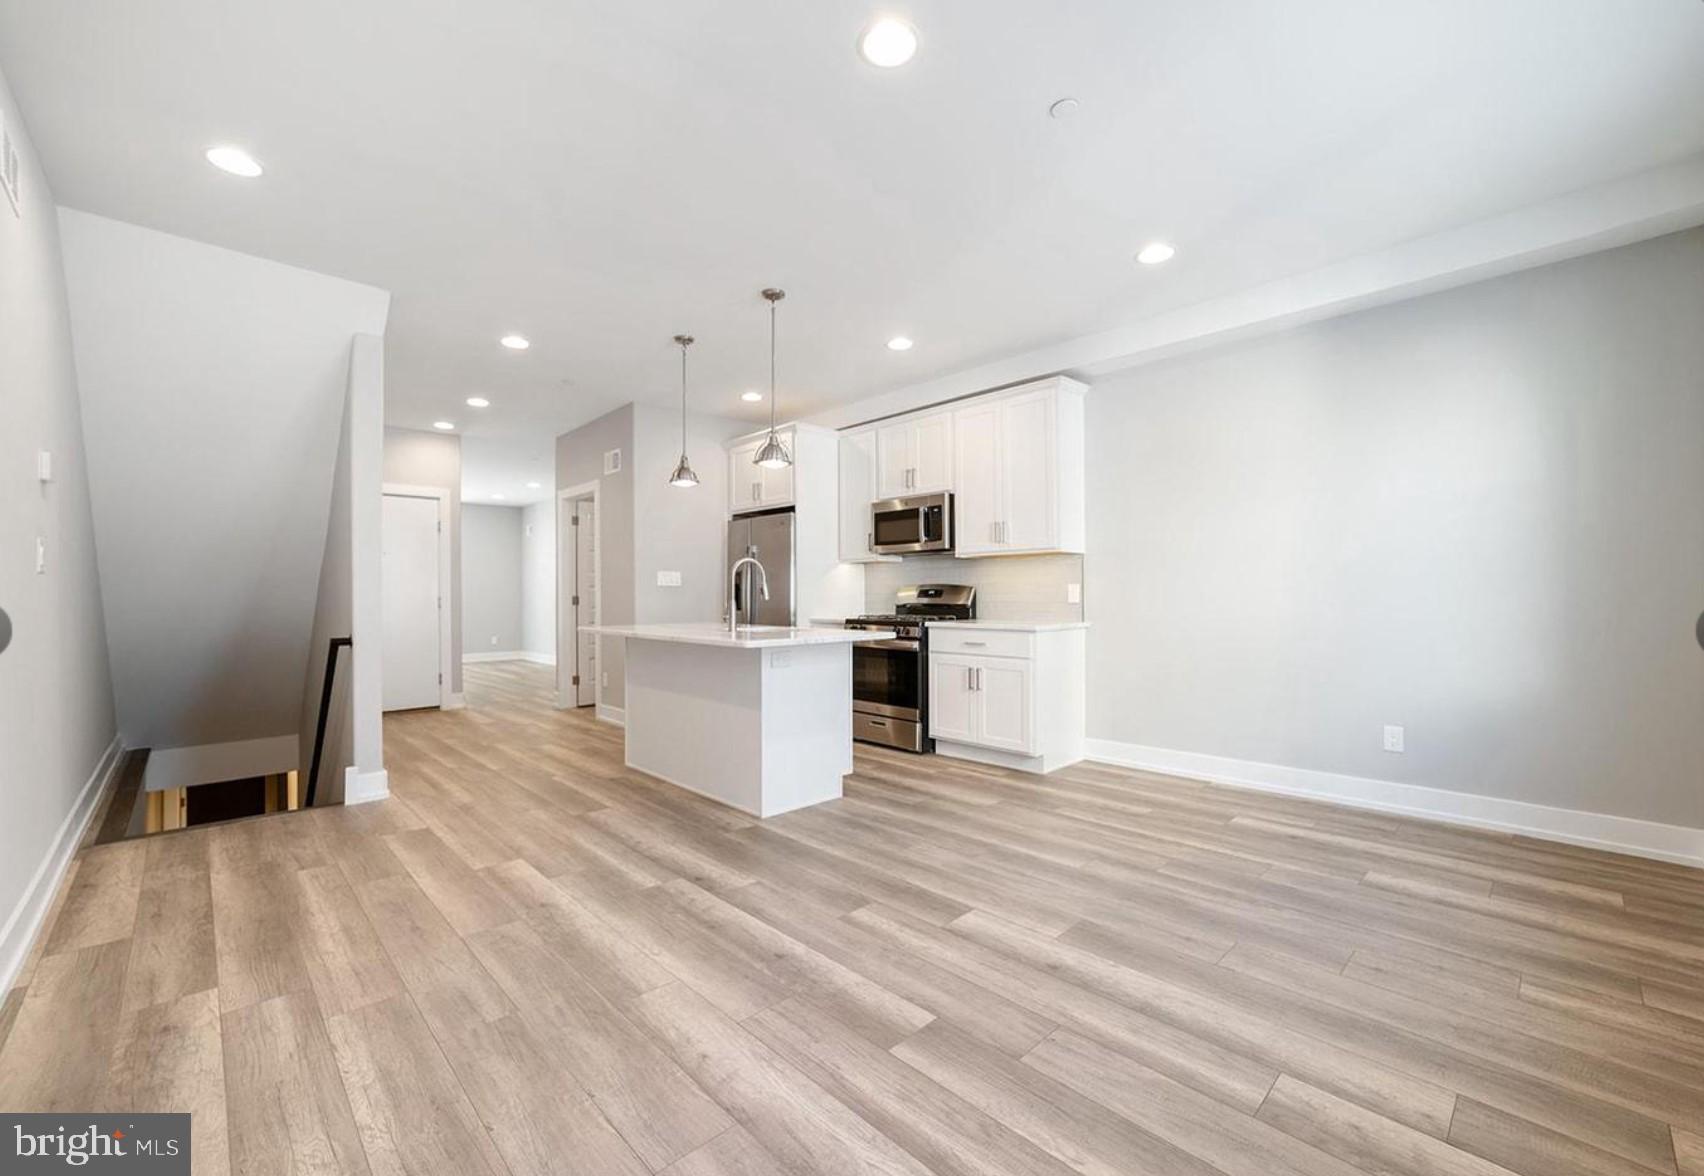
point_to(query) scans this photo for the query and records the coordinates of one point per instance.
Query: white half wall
(58, 741)
(213, 388)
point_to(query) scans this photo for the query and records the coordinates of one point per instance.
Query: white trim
(614, 715)
(361, 787)
(566, 631)
(457, 701)
(526, 655)
(1667, 843)
(24, 923)
(446, 584)
(210, 763)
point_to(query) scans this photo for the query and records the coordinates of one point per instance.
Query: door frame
(567, 635)
(447, 698)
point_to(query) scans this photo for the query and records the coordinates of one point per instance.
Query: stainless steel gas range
(890, 678)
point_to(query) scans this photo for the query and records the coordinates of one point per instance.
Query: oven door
(887, 679)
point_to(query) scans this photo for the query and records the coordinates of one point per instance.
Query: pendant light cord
(683, 399)
(772, 367)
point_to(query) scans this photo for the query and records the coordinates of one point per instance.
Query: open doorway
(578, 680)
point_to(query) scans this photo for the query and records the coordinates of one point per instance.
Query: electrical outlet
(493, 640)
(41, 555)
(603, 680)
(668, 579)
(1393, 738)
(1073, 594)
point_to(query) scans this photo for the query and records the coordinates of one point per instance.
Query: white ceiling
(601, 175)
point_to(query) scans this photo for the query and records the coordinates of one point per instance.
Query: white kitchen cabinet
(857, 491)
(1008, 695)
(1019, 462)
(751, 486)
(914, 455)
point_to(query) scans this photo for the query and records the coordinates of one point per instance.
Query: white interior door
(411, 595)
(586, 594)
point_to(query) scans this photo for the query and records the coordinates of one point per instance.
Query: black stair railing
(332, 647)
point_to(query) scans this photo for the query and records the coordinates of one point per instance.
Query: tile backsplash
(1008, 587)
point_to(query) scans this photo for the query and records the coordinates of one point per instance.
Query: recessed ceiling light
(443, 424)
(515, 342)
(234, 160)
(532, 485)
(478, 402)
(751, 396)
(1155, 252)
(1064, 108)
(888, 43)
(899, 343)
(497, 496)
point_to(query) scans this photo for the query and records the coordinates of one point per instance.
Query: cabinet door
(893, 460)
(777, 485)
(857, 490)
(932, 453)
(952, 713)
(976, 500)
(1029, 519)
(745, 480)
(1002, 704)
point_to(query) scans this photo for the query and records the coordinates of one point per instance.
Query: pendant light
(683, 475)
(773, 455)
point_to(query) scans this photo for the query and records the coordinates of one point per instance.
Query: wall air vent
(612, 461)
(9, 171)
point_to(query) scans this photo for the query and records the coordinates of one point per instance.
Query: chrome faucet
(734, 600)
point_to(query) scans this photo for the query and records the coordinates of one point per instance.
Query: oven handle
(891, 643)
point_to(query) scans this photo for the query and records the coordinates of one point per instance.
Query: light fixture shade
(683, 475)
(773, 455)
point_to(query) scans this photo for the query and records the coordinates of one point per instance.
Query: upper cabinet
(914, 455)
(857, 491)
(1018, 458)
(751, 486)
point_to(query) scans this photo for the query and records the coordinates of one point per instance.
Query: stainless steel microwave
(923, 522)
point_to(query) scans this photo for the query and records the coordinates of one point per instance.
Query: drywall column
(365, 778)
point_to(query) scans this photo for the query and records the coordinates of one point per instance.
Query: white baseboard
(24, 922)
(614, 715)
(526, 655)
(454, 700)
(1650, 839)
(360, 787)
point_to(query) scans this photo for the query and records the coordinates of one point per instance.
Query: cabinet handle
(979, 678)
(978, 644)
(869, 541)
(970, 677)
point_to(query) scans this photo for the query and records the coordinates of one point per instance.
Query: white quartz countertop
(747, 637)
(1014, 626)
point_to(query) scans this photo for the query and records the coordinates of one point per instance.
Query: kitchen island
(759, 719)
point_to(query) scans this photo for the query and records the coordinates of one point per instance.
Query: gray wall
(334, 616)
(1475, 514)
(538, 579)
(213, 386)
(491, 579)
(680, 530)
(56, 705)
(579, 460)
(414, 457)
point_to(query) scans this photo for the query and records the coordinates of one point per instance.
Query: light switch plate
(44, 465)
(41, 555)
(1393, 738)
(1073, 594)
(668, 579)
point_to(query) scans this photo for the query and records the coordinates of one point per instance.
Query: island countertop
(747, 636)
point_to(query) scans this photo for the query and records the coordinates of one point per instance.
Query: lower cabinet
(1010, 697)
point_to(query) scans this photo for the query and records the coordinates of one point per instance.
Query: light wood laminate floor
(531, 960)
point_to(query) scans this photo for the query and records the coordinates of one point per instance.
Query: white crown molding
(1635, 208)
(1650, 839)
(24, 922)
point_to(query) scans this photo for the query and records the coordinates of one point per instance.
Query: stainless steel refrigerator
(769, 538)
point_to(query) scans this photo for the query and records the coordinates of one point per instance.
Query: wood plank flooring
(531, 960)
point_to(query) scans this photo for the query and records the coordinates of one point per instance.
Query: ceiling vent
(612, 461)
(9, 177)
